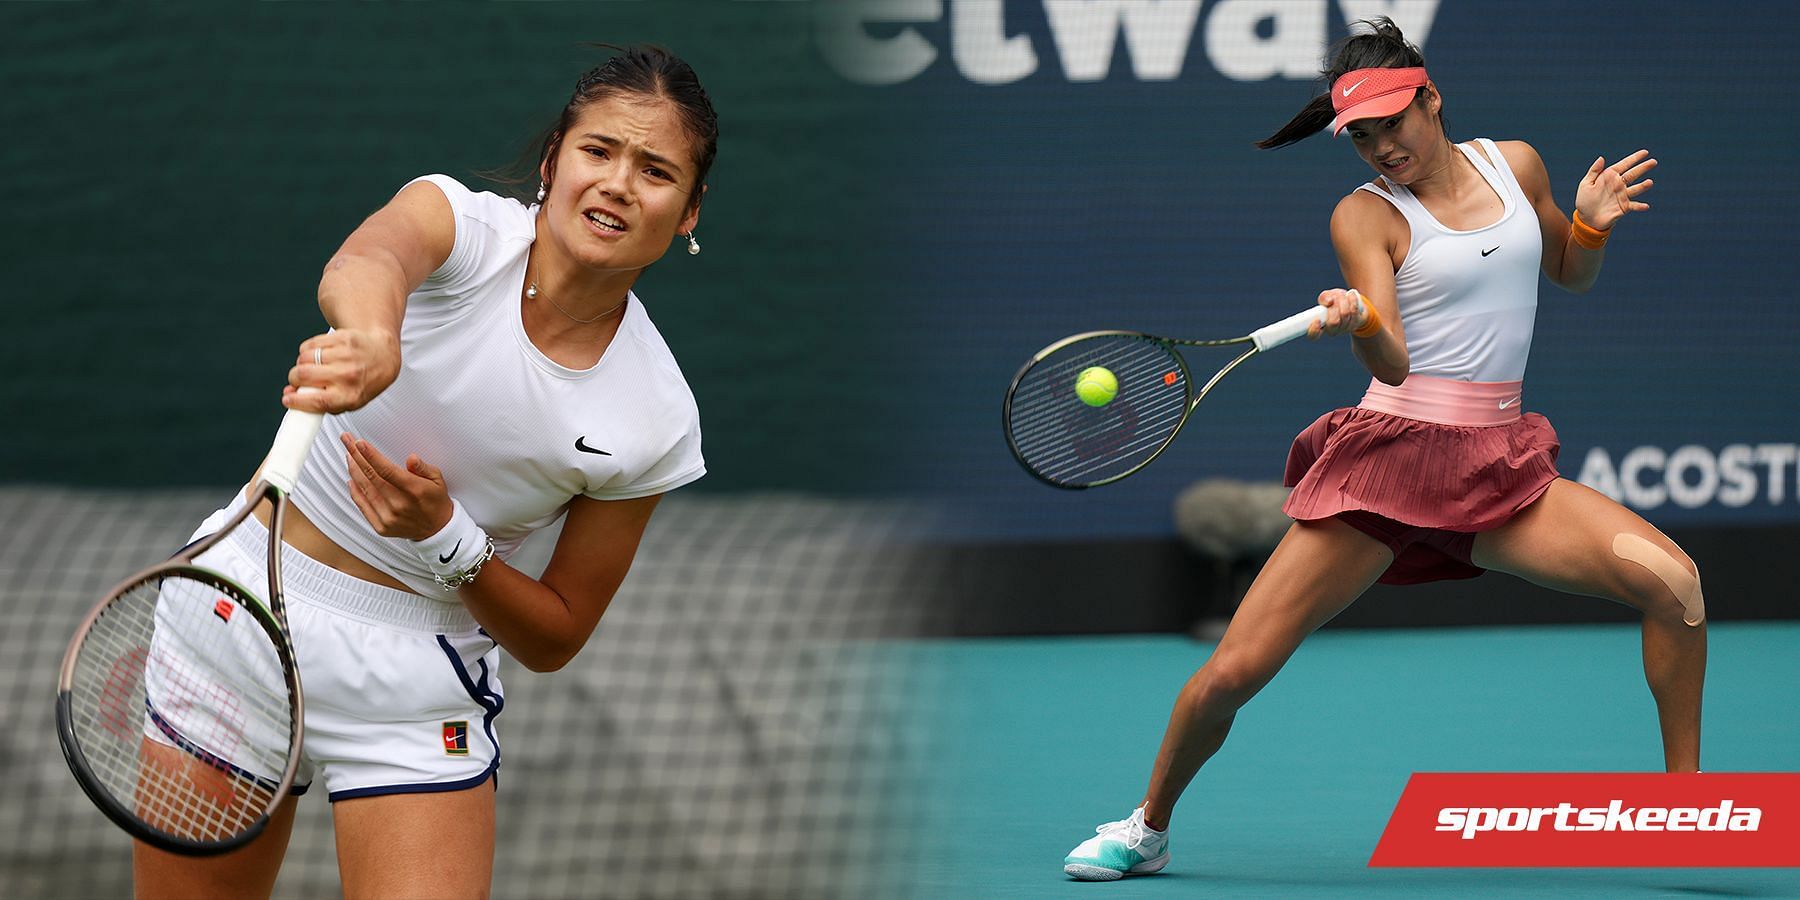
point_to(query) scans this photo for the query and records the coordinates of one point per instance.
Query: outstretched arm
(1605, 195)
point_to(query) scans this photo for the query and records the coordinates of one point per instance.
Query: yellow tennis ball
(1096, 386)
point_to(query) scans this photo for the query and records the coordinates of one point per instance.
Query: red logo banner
(1594, 819)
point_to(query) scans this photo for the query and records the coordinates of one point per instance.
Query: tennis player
(1437, 473)
(488, 371)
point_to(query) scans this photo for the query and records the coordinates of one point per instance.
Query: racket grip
(1271, 336)
(292, 442)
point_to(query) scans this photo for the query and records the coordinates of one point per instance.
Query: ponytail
(1309, 122)
(1378, 45)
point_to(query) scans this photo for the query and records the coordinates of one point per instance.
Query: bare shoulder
(1360, 205)
(1527, 166)
(1361, 213)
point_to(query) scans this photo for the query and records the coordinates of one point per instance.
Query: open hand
(1607, 193)
(411, 502)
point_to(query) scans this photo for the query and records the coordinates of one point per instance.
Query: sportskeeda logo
(1616, 816)
(1589, 819)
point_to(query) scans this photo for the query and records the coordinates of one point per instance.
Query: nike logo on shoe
(581, 444)
(446, 558)
(1506, 403)
(1486, 252)
(1353, 87)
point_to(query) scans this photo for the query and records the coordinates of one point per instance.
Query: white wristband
(457, 548)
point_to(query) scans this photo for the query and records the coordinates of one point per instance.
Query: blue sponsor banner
(1083, 164)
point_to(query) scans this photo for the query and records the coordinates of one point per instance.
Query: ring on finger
(318, 356)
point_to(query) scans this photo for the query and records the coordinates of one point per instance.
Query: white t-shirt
(517, 435)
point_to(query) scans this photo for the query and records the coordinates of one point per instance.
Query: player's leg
(247, 872)
(1577, 540)
(1317, 570)
(437, 845)
(402, 697)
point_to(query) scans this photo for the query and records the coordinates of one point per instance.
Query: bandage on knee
(1684, 584)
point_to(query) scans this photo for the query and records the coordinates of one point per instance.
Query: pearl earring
(693, 245)
(542, 192)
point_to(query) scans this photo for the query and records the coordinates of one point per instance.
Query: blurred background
(867, 634)
(1090, 165)
(181, 173)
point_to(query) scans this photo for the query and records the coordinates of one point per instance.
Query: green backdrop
(180, 173)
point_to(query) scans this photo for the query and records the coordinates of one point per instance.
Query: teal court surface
(1037, 740)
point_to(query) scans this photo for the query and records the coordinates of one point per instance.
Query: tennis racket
(179, 707)
(1066, 442)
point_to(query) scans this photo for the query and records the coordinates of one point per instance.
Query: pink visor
(1372, 94)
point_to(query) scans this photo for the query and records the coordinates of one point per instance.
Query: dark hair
(642, 70)
(1382, 46)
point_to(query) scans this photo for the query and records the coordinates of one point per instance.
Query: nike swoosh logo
(1506, 403)
(581, 444)
(1353, 87)
(1486, 252)
(446, 558)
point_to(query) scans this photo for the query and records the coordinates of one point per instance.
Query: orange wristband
(1587, 236)
(1370, 326)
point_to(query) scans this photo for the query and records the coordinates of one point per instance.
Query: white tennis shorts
(401, 691)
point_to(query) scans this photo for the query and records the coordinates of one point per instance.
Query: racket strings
(167, 799)
(1066, 441)
(1077, 444)
(1042, 404)
(181, 709)
(1156, 435)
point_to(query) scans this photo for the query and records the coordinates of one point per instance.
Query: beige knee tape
(1684, 584)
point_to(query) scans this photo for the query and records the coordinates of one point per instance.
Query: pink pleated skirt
(1424, 488)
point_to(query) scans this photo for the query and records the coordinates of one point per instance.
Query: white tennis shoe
(1118, 849)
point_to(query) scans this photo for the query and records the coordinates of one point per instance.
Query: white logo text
(1615, 816)
(1245, 40)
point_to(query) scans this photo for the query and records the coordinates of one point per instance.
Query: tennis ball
(1096, 386)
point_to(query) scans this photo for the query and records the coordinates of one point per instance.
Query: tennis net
(730, 730)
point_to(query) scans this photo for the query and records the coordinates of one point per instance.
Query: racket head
(1063, 441)
(178, 709)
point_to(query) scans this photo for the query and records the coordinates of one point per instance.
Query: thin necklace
(532, 292)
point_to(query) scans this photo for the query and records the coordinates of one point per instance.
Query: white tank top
(516, 434)
(1469, 298)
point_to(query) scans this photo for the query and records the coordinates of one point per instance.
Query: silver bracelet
(466, 576)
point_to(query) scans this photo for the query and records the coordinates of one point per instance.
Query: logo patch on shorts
(456, 738)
